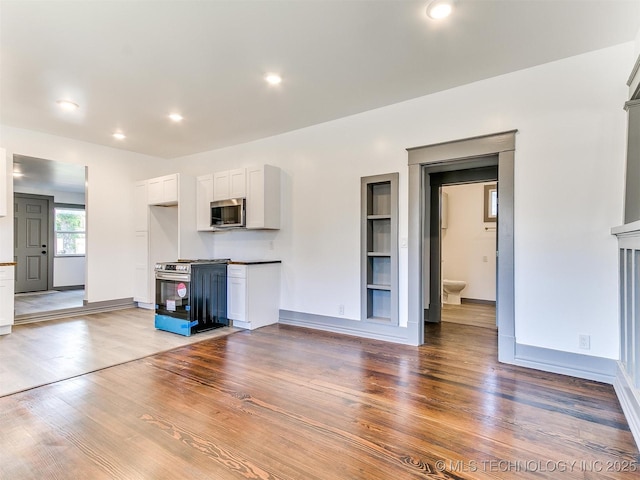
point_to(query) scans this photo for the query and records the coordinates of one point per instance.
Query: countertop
(8, 264)
(254, 262)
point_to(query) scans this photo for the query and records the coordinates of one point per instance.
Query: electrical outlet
(271, 245)
(340, 309)
(584, 342)
(485, 259)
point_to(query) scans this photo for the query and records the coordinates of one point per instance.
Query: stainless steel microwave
(228, 213)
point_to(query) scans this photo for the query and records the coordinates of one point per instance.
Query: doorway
(476, 152)
(438, 180)
(49, 236)
(469, 245)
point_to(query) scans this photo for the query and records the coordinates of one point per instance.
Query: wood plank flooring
(473, 314)
(44, 352)
(30, 303)
(283, 402)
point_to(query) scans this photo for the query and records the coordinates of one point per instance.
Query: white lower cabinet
(253, 294)
(6, 298)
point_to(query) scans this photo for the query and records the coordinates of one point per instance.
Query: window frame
(68, 206)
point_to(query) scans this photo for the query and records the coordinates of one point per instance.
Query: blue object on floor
(174, 325)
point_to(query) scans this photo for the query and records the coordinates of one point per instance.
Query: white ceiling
(130, 63)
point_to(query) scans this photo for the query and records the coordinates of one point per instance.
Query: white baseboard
(566, 363)
(146, 306)
(629, 398)
(346, 326)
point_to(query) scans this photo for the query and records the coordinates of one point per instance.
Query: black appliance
(191, 295)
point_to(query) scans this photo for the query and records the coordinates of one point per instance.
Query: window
(70, 230)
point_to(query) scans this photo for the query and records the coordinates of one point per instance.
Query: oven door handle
(173, 276)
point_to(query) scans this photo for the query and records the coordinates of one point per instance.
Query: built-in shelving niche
(380, 248)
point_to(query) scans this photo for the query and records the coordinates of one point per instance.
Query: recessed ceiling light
(67, 105)
(119, 136)
(273, 78)
(176, 117)
(439, 9)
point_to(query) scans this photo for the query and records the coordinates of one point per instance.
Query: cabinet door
(154, 191)
(143, 273)
(236, 298)
(237, 183)
(221, 186)
(141, 206)
(3, 182)
(170, 188)
(263, 197)
(204, 197)
(163, 190)
(6, 296)
(255, 197)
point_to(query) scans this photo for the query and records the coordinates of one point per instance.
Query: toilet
(452, 290)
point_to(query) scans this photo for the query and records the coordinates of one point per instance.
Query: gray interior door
(31, 242)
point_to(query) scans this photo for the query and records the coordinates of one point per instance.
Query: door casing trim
(455, 155)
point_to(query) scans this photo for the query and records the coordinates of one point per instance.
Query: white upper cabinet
(237, 183)
(229, 184)
(204, 197)
(260, 185)
(263, 197)
(3, 182)
(163, 190)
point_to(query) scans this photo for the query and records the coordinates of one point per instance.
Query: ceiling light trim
(439, 9)
(273, 78)
(67, 105)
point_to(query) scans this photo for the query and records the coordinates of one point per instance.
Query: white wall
(468, 248)
(110, 231)
(68, 271)
(568, 183)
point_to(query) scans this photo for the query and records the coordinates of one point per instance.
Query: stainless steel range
(191, 295)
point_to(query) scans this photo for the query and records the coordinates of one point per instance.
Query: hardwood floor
(44, 352)
(473, 314)
(289, 403)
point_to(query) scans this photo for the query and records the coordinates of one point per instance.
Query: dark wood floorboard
(290, 403)
(471, 313)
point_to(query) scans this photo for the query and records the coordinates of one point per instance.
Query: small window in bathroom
(491, 202)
